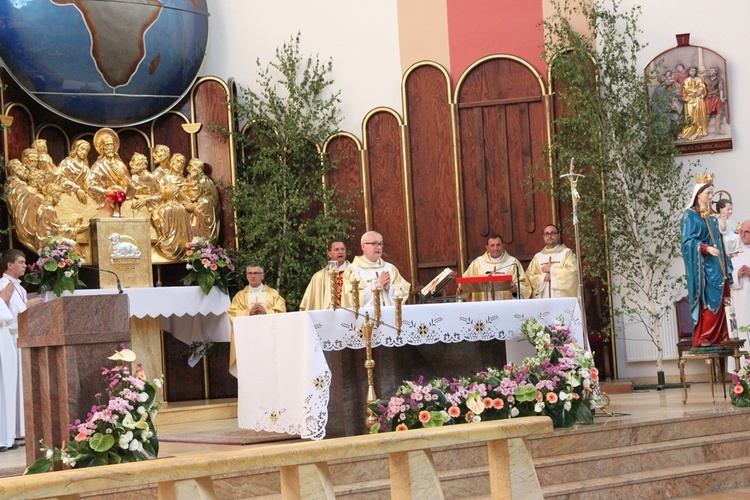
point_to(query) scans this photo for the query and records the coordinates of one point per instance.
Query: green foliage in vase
(285, 213)
(634, 192)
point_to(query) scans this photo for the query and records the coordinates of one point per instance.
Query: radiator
(638, 345)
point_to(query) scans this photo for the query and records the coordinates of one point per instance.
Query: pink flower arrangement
(741, 394)
(121, 429)
(560, 382)
(56, 270)
(209, 266)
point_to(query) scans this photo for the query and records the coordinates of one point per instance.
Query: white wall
(360, 36)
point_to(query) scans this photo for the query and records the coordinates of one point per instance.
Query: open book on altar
(256, 297)
(438, 282)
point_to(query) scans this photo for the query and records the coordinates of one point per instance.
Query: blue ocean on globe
(104, 62)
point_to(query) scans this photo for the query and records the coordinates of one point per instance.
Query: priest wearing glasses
(370, 271)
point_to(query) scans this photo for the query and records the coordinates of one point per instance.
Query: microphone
(519, 293)
(119, 285)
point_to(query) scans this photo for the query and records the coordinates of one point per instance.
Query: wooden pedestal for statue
(65, 342)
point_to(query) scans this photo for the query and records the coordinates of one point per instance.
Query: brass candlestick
(333, 275)
(369, 366)
(398, 298)
(355, 294)
(376, 291)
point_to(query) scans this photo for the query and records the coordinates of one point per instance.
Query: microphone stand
(119, 285)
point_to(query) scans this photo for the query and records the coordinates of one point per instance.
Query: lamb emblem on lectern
(123, 249)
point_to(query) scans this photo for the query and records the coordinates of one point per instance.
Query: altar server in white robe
(13, 264)
(553, 272)
(741, 286)
(371, 270)
(8, 374)
(496, 261)
(318, 293)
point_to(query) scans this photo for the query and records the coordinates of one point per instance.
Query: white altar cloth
(184, 311)
(284, 380)
(280, 364)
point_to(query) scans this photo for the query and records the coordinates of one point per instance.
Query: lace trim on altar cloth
(431, 330)
(312, 423)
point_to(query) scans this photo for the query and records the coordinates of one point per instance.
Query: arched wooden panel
(386, 186)
(502, 130)
(167, 129)
(344, 151)
(21, 133)
(427, 114)
(214, 147)
(58, 142)
(132, 141)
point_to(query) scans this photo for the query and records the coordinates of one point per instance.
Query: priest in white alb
(494, 262)
(741, 286)
(318, 293)
(553, 272)
(370, 271)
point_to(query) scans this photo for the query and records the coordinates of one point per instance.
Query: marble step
(196, 411)
(612, 434)
(650, 456)
(662, 482)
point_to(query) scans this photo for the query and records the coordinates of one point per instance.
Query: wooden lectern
(64, 343)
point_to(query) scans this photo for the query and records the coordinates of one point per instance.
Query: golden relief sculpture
(45, 199)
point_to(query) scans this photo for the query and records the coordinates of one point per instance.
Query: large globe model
(104, 62)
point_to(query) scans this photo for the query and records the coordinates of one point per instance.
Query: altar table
(284, 379)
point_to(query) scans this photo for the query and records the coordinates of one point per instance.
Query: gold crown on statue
(704, 178)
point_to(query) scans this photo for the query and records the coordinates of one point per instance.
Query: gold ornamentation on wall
(45, 199)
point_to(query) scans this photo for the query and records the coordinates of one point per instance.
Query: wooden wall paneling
(214, 147)
(475, 194)
(499, 142)
(382, 146)
(58, 141)
(345, 151)
(510, 93)
(427, 116)
(21, 134)
(167, 129)
(132, 140)
(183, 383)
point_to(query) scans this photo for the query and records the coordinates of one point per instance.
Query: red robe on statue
(711, 328)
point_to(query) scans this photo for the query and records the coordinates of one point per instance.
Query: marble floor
(638, 406)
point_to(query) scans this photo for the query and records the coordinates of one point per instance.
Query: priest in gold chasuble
(496, 261)
(554, 271)
(318, 293)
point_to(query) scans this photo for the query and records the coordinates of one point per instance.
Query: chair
(684, 326)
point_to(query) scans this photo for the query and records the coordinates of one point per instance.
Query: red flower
(498, 404)
(214, 267)
(487, 402)
(539, 396)
(551, 397)
(594, 374)
(738, 389)
(469, 416)
(189, 252)
(454, 411)
(401, 427)
(61, 264)
(424, 416)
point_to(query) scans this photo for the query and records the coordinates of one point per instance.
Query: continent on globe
(117, 35)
